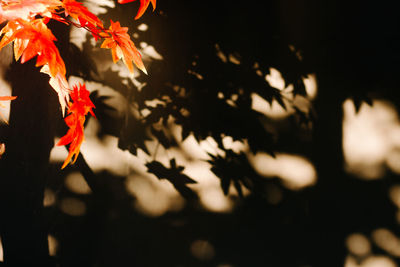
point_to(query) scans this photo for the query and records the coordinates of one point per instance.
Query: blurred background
(261, 136)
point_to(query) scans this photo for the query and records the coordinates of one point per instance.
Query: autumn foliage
(143, 5)
(26, 27)
(80, 106)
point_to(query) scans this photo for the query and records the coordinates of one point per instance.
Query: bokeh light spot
(387, 241)
(153, 198)
(310, 82)
(275, 79)
(53, 245)
(143, 27)
(358, 244)
(371, 261)
(273, 110)
(49, 197)
(202, 250)
(73, 207)
(370, 139)
(295, 171)
(378, 261)
(213, 199)
(76, 183)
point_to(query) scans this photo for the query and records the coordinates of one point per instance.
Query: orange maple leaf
(122, 46)
(33, 38)
(27, 9)
(5, 98)
(80, 106)
(144, 4)
(81, 14)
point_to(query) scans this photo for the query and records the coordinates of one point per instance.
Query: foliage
(27, 28)
(207, 90)
(227, 93)
(81, 105)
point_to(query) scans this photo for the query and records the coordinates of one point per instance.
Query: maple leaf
(60, 85)
(144, 4)
(81, 14)
(32, 39)
(5, 98)
(80, 106)
(122, 46)
(27, 9)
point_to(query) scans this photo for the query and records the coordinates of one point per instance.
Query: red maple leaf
(80, 106)
(144, 4)
(122, 46)
(26, 28)
(81, 14)
(33, 38)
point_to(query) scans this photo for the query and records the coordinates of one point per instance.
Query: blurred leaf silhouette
(174, 175)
